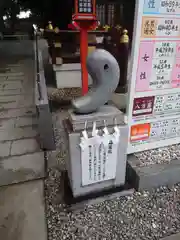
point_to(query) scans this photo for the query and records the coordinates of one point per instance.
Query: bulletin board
(154, 90)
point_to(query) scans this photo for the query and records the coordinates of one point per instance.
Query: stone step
(18, 122)
(20, 112)
(21, 158)
(11, 78)
(15, 74)
(11, 105)
(10, 92)
(16, 98)
(10, 85)
(22, 209)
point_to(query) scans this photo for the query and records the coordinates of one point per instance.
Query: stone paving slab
(22, 211)
(11, 85)
(8, 81)
(18, 147)
(6, 99)
(17, 104)
(12, 113)
(13, 78)
(11, 74)
(3, 78)
(18, 98)
(24, 146)
(10, 92)
(25, 121)
(7, 123)
(22, 168)
(10, 69)
(17, 133)
(5, 149)
(14, 65)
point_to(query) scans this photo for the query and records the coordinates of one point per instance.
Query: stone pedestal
(74, 127)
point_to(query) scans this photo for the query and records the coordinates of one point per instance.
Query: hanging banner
(154, 89)
(99, 157)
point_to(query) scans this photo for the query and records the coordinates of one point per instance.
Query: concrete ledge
(45, 128)
(153, 176)
(44, 118)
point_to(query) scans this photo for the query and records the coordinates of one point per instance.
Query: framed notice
(154, 89)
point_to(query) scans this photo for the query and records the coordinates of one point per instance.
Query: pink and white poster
(154, 91)
(158, 65)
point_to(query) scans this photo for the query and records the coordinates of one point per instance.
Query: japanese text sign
(154, 89)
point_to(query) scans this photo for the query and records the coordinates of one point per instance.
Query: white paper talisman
(110, 153)
(89, 156)
(99, 156)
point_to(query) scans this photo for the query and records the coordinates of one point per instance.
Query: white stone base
(68, 75)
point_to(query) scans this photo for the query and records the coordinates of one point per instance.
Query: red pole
(84, 53)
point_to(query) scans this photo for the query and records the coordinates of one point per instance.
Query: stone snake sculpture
(105, 73)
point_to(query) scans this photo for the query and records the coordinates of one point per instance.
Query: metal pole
(37, 62)
(83, 53)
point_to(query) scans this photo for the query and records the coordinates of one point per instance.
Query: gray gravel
(140, 216)
(158, 156)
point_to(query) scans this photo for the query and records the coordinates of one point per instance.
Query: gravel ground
(143, 215)
(158, 156)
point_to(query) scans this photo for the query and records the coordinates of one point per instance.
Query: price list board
(154, 89)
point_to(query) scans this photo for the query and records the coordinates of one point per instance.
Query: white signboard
(99, 157)
(154, 91)
(160, 132)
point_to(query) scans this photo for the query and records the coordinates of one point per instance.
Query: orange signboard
(140, 132)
